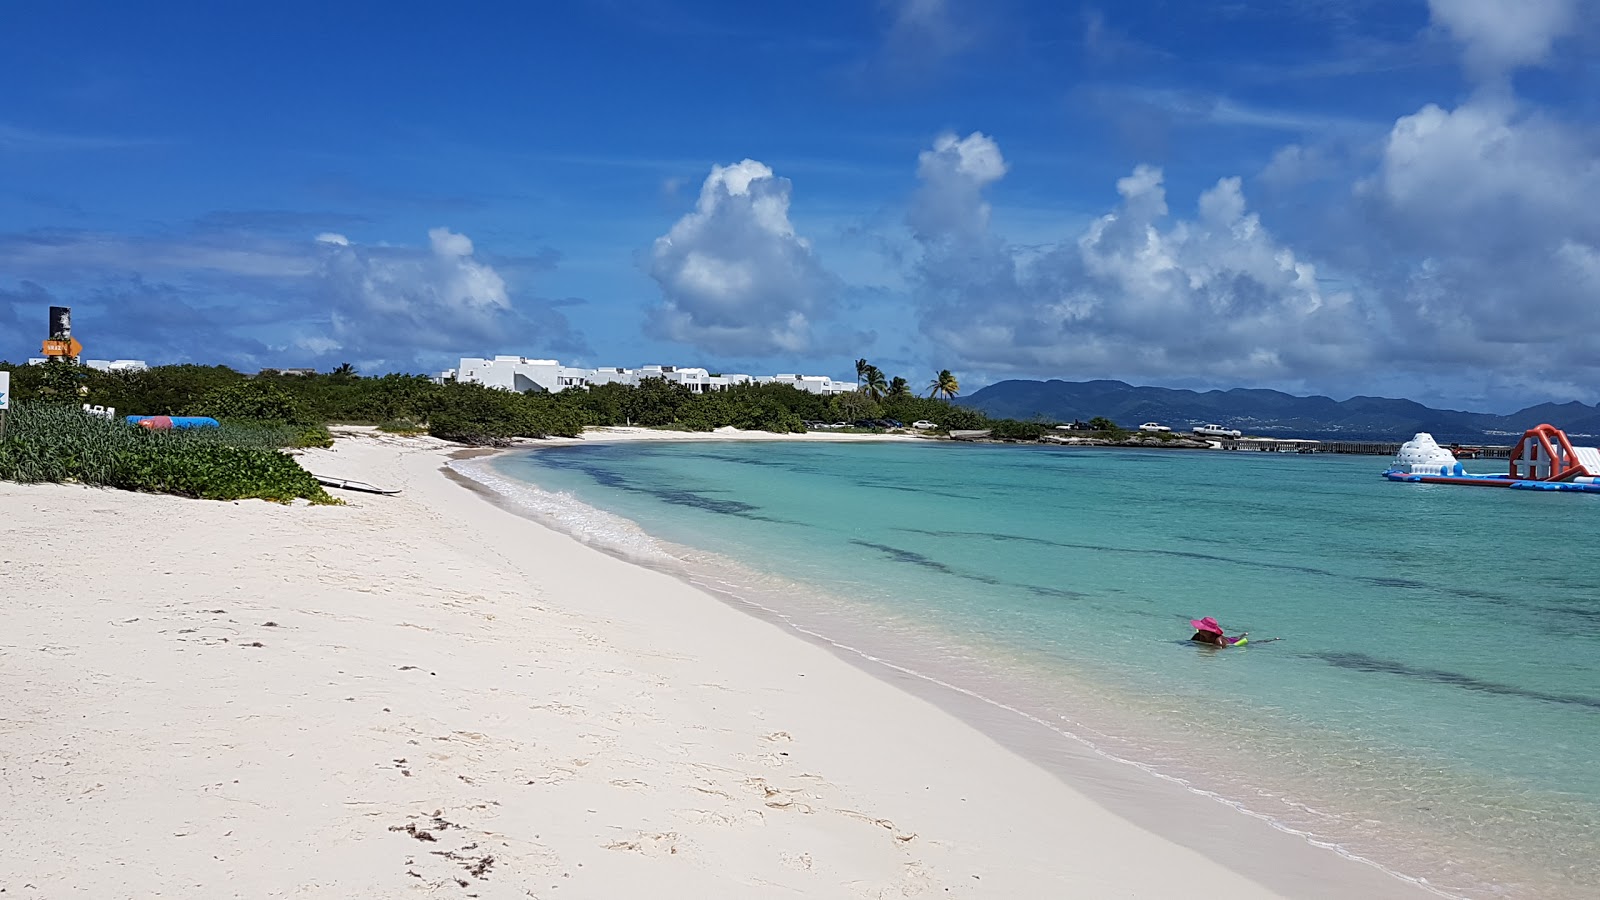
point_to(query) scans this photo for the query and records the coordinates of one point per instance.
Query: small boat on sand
(345, 484)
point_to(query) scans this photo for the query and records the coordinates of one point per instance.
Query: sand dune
(427, 695)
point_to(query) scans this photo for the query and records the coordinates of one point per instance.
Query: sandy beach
(430, 695)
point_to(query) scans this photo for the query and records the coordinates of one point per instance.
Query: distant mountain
(1270, 412)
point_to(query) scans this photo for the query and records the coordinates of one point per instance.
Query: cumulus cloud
(437, 299)
(1449, 169)
(1480, 225)
(954, 174)
(1139, 293)
(1498, 36)
(247, 300)
(1490, 210)
(735, 278)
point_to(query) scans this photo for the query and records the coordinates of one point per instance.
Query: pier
(1364, 448)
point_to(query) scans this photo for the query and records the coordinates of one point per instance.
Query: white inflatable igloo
(1422, 455)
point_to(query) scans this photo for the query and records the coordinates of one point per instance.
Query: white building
(518, 373)
(104, 365)
(811, 384)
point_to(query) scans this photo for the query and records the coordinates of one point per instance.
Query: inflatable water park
(1544, 460)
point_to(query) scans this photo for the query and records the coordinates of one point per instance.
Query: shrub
(309, 436)
(257, 401)
(404, 427)
(1013, 430)
(61, 443)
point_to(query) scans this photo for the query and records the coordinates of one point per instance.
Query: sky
(1383, 197)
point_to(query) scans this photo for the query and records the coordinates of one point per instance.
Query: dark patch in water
(912, 489)
(1361, 662)
(911, 557)
(1376, 580)
(1042, 591)
(676, 496)
(917, 559)
(1593, 615)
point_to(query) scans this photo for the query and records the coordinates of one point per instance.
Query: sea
(1431, 705)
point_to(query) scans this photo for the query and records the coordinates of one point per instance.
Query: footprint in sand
(665, 843)
(778, 798)
(797, 861)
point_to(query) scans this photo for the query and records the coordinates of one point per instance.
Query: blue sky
(1399, 197)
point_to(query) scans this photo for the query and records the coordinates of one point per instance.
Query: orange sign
(63, 348)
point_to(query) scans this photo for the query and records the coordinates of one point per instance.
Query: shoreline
(320, 685)
(1218, 826)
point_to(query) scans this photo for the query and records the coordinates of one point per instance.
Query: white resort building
(103, 365)
(518, 373)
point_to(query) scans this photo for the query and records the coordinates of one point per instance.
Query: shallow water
(1434, 704)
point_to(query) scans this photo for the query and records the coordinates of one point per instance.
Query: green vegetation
(59, 442)
(49, 438)
(271, 411)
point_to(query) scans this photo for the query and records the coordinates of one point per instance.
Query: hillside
(1267, 412)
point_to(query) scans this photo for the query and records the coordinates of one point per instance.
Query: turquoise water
(1434, 704)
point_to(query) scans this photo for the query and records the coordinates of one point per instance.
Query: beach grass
(55, 442)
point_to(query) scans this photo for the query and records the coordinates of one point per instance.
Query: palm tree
(344, 371)
(873, 382)
(944, 385)
(861, 370)
(899, 387)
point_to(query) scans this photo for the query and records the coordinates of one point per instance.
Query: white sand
(598, 729)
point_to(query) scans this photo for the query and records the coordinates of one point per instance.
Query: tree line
(475, 414)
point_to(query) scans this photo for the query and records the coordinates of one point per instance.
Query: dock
(1363, 448)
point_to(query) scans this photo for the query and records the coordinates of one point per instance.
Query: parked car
(924, 424)
(1217, 431)
(1153, 426)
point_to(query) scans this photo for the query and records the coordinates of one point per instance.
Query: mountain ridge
(1269, 412)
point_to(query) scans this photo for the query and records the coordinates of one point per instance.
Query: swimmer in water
(1207, 631)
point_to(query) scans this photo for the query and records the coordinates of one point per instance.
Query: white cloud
(1497, 207)
(954, 174)
(1498, 36)
(1483, 158)
(1139, 293)
(311, 298)
(1295, 164)
(735, 278)
(1489, 210)
(1470, 244)
(317, 345)
(443, 298)
(927, 24)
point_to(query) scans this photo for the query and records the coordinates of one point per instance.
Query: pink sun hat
(1206, 624)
